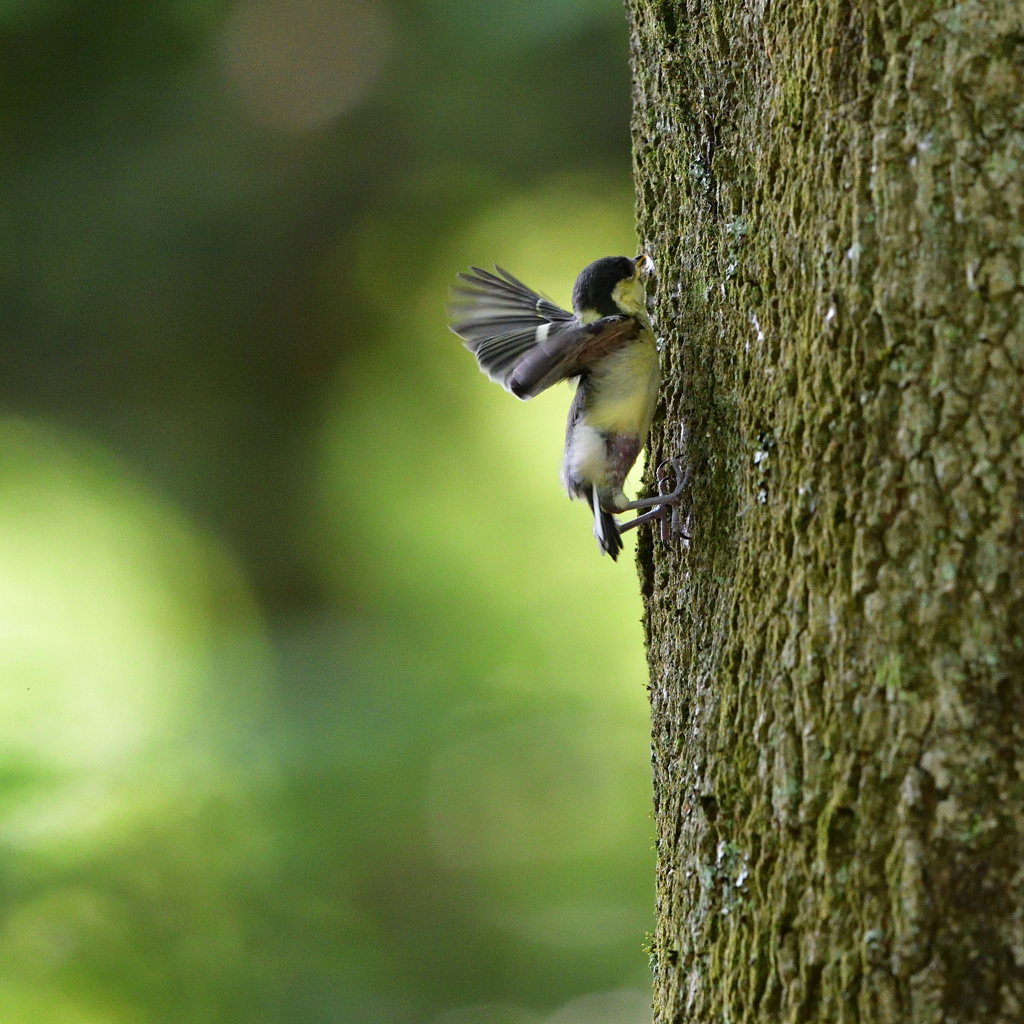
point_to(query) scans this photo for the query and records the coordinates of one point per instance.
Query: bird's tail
(606, 529)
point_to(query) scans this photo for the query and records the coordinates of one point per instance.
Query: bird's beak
(644, 265)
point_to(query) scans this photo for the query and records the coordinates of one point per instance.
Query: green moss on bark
(833, 194)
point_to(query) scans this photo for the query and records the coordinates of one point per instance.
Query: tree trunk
(832, 193)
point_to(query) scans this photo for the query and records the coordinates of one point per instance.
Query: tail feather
(606, 529)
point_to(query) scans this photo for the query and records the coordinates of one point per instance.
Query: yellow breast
(625, 389)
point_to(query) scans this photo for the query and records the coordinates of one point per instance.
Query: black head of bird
(526, 343)
(601, 287)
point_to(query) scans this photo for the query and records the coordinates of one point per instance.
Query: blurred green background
(317, 702)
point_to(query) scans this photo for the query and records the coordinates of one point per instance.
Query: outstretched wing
(569, 350)
(523, 341)
(501, 320)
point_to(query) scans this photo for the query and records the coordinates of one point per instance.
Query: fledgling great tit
(526, 343)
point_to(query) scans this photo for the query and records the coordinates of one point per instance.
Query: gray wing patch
(500, 320)
(568, 350)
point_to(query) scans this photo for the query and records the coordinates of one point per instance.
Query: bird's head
(610, 286)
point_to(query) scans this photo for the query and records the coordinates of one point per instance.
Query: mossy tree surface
(833, 196)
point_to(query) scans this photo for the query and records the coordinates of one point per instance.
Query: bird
(606, 345)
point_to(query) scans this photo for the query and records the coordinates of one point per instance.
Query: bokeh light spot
(120, 630)
(298, 64)
(620, 1006)
(487, 1013)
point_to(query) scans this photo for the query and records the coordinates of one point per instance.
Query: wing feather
(568, 351)
(501, 320)
(523, 341)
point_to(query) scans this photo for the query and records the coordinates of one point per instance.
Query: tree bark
(832, 193)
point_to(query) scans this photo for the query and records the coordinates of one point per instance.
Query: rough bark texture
(833, 195)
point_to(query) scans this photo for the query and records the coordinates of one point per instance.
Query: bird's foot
(665, 505)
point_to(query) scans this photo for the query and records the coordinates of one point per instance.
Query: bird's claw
(665, 509)
(671, 524)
